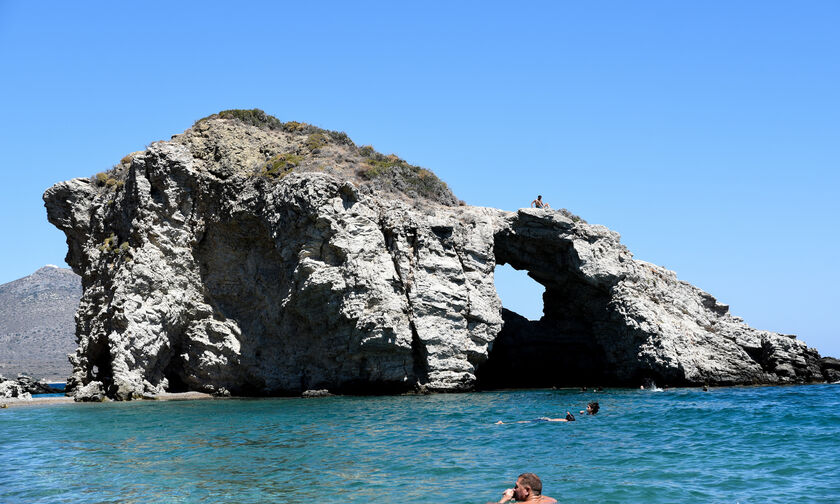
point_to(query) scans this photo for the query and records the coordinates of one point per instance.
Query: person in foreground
(528, 488)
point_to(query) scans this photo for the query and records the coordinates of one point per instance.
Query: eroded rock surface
(609, 318)
(830, 369)
(209, 265)
(23, 387)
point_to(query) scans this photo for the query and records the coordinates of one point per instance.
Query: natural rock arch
(563, 347)
(203, 271)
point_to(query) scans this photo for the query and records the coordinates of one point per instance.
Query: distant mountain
(37, 329)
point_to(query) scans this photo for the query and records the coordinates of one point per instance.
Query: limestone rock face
(609, 318)
(13, 388)
(204, 271)
(23, 387)
(831, 369)
(33, 386)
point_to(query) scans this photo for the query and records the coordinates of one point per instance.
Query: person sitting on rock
(528, 488)
(539, 203)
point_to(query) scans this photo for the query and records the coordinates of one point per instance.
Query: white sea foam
(651, 386)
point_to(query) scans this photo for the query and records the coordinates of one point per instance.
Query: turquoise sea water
(746, 445)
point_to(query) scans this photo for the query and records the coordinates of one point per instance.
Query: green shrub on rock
(280, 165)
(389, 173)
(258, 118)
(109, 244)
(393, 171)
(108, 180)
(366, 150)
(254, 117)
(315, 141)
(376, 164)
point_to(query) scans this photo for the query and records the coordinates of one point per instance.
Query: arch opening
(519, 293)
(562, 345)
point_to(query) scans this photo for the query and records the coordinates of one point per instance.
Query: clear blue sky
(707, 133)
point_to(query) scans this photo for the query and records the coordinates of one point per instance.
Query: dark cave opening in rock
(245, 280)
(562, 348)
(172, 370)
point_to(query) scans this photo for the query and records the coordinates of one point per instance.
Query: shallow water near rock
(761, 444)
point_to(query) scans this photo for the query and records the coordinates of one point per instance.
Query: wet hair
(531, 481)
(570, 417)
(594, 407)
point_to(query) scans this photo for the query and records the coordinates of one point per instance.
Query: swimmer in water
(591, 408)
(569, 418)
(528, 488)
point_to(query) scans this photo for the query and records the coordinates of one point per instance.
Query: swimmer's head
(592, 408)
(527, 483)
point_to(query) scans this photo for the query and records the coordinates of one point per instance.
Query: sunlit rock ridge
(254, 257)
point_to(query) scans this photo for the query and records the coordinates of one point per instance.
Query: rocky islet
(23, 387)
(254, 257)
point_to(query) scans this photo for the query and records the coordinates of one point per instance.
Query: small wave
(651, 386)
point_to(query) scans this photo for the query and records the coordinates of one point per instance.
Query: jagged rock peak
(251, 143)
(227, 261)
